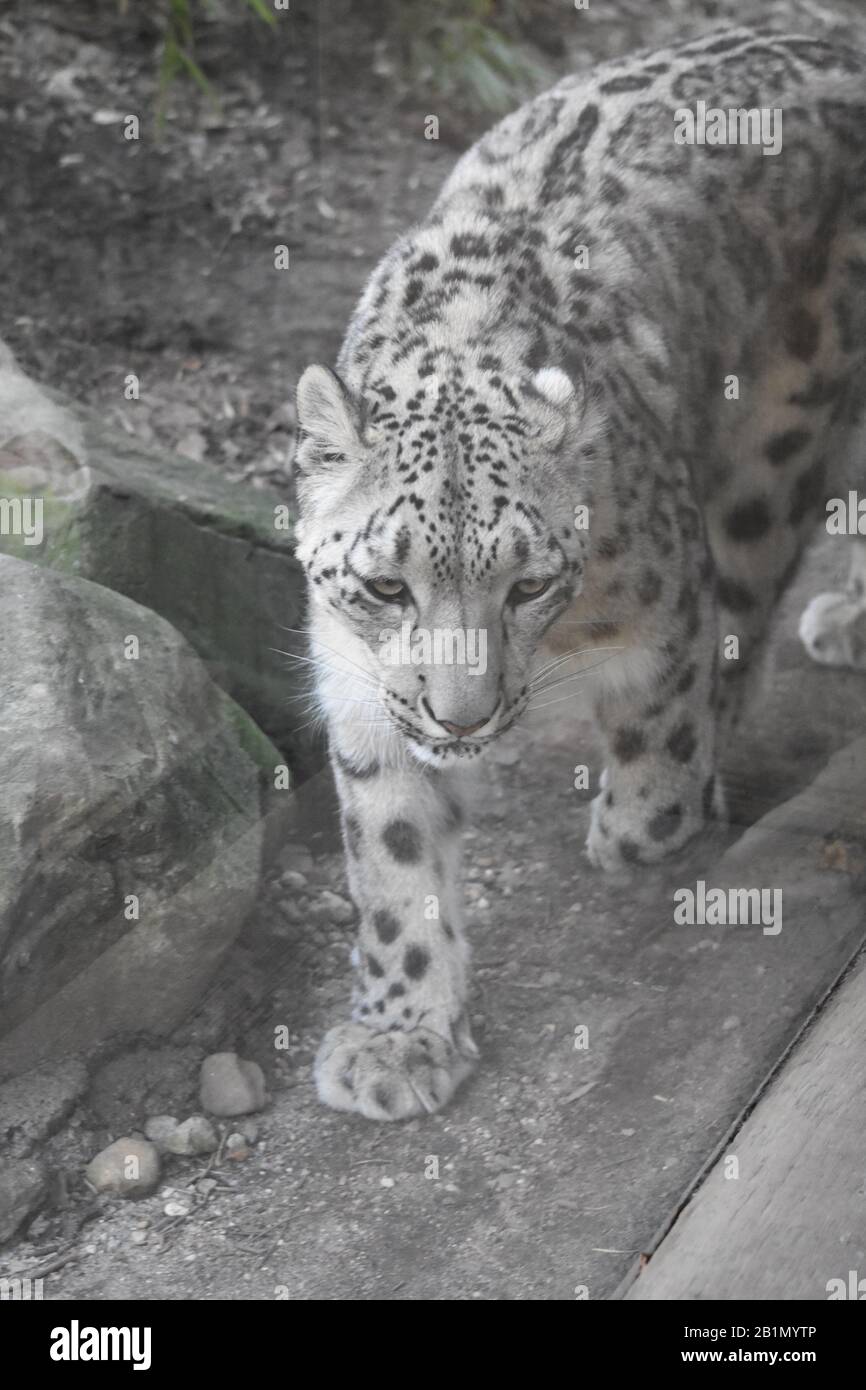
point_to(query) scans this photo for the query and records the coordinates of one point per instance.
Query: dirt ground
(155, 256)
(557, 1164)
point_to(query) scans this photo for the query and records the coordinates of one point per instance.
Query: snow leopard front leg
(660, 733)
(408, 1047)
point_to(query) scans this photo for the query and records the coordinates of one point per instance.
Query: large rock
(23, 1189)
(169, 532)
(34, 1105)
(126, 786)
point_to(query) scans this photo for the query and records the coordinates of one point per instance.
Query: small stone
(206, 1186)
(193, 446)
(138, 1237)
(386, 1182)
(176, 1209)
(159, 1129)
(294, 880)
(127, 1168)
(195, 1136)
(332, 907)
(235, 1141)
(231, 1086)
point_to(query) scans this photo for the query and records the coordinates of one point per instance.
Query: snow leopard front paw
(625, 833)
(833, 630)
(393, 1075)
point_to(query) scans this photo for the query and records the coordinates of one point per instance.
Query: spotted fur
(491, 384)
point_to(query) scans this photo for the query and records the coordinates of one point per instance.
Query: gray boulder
(211, 556)
(131, 825)
(34, 1105)
(23, 1189)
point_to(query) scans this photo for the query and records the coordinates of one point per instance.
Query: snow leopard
(595, 402)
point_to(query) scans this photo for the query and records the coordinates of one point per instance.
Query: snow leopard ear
(557, 399)
(328, 418)
(554, 385)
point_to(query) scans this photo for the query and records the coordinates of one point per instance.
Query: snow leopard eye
(391, 590)
(526, 589)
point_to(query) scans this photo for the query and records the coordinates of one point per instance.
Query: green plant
(179, 44)
(468, 51)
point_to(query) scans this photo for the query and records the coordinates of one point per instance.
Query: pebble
(195, 1136)
(230, 1086)
(294, 880)
(334, 907)
(176, 1209)
(192, 446)
(158, 1128)
(127, 1168)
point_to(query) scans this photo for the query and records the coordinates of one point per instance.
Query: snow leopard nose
(461, 730)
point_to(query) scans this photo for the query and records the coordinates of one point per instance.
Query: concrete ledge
(792, 1225)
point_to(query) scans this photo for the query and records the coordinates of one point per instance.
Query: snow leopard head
(438, 528)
